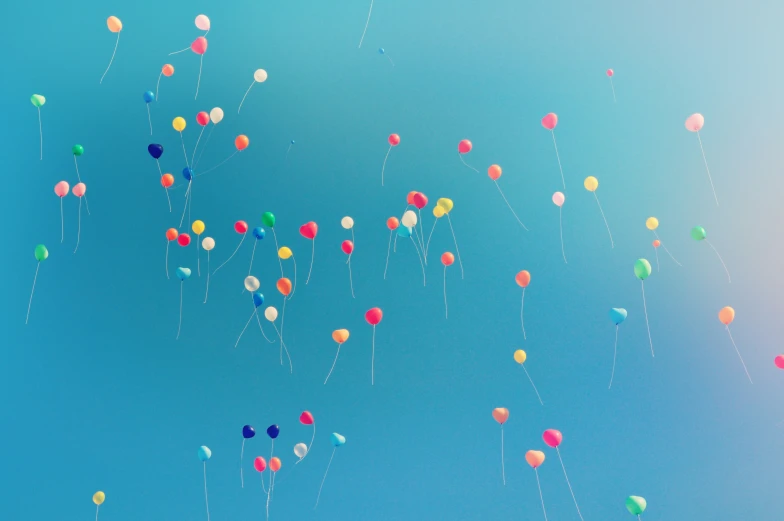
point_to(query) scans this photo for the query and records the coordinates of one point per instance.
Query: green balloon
(698, 233)
(41, 253)
(268, 218)
(37, 100)
(642, 269)
(636, 505)
(77, 150)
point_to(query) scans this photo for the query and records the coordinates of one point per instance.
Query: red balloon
(347, 247)
(552, 437)
(309, 230)
(464, 146)
(184, 239)
(410, 197)
(167, 180)
(447, 259)
(420, 200)
(306, 418)
(202, 118)
(199, 45)
(393, 223)
(394, 140)
(259, 464)
(241, 227)
(374, 316)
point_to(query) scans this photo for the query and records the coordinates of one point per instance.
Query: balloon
(464, 147)
(652, 223)
(779, 361)
(393, 223)
(420, 200)
(171, 234)
(275, 464)
(38, 100)
(148, 96)
(409, 219)
(41, 253)
(208, 243)
(374, 316)
(259, 233)
(558, 199)
(347, 223)
(347, 247)
(520, 356)
(300, 449)
(393, 139)
(241, 227)
(216, 115)
(77, 150)
(202, 118)
(438, 212)
(260, 464)
(550, 121)
(248, 432)
(410, 197)
(380, 50)
(260, 75)
(99, 497)
(199, 45)
(273, 431)
(187, 173)
(340, 335)
(184, 239)
(523, 279)
(197, 227)
(726, 315)
(114, 24)
(202, 22)
(447, 259)
(309, 230)
(251, 283)
(610, 73)
(167, 70)
(337, 440)
(167, 180)
(591, 183)
(618, 315)
(268, 218)
(292, 142)
(241, 142)
(306, 418)
(404, 231)
(695, 122)
(636, 505)
(271, 314)
(79, 189)
(494, 172)
(284, 286)
(258, 299)
(656, 243)
(285, 253)
(534, 458)
(204, 453)
(446, 204)
(61, 189)
(552, 437)
(182, 274)
(642, 269)
(178, 123)
(698, 233)
(500, 414)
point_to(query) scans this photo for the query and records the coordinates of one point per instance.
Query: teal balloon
(642, 269)
(204, 453)
(268, 218)
(617, 315)
(183, 273)
(698, 233)
(404, 231)
(636, 505)
(337, 440)
(77, 150)
(41, 253)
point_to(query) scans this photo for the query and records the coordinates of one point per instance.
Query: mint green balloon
(698, 233)
(37, 100)
(636, 505)
(642, 269)
(268, 218)
(41, 253)
(77, 150)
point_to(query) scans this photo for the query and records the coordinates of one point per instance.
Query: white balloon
(252, 283)
(347, 222)
(409, 219)
(260, 75)
(208, 243)
(271, 314)
(216, 115)
(300, 449)
(202, 22)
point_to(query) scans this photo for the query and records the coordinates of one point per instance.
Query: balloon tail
(665, 249)
(262, 330)
(157, 86)
(612, 244)
(312, 258)
(283, 345)
(167, 259)
(541, 498)
(362, 39)
(324, 478)
(647, 325)
(244, 328)
(466, 164)
(736, 350)
(207, 142)
(79, 226)
(613, 90)
(232, 255)
(446, 306)
(394, 249)
(560, 225)
(198, 256)
(282, 317)
(149, 118)
(385, 164)
(207, 291)
(421, 237)
(62, 222)
(389, 247)
(287, 160)
(262, 482)
(656, 251)
(181, 50)
(390, 60)
(242, 452)
(184, 153)
(720, 260)
(352, 242)
(198, 81)
(615, 354)
(179, 324)
(245, 96)
(97, 507)
(333, 365)
(112, 59)
(373, 359)
(187, 196)
(351, 279)
(522, 306)
(503, 471)
(457, 250)
(509, 205)
(534, 386)
(427, 246)
(559, 159)
(707, 169)
(424, 279)
(277, 249)
(168, 199)
(80, 180)
(294, 259)
(420, 243)
(30, 303)
(569, 484)
(206, 497)
(41, 133)
(197, 143)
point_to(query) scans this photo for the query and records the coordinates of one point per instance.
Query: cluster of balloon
(204, 454)
(260, 76)
(285, 253)
(98, 498)
(698, 233)
(464, 147)
(558, 200)
(38, 101)
(271, 314)
(409, 221)
(199, 45)
(78, 150)
(694, 124)
(652, 223)
(501, 414)
(337, 441)
(252, 284)
(79, 190)
(115, 25)
(535, 458)
(148, 97)
(309, 230)
(726, 316)
(617, 315)
(182, 274)
(520, 357)
(591, 184)
(392, 223)
(168, 71)
(523, 279)
(198, 228)
(373, 317)
(550, 121)
(241, 227)
(610, 73)
(216, 116)
(447, 259)
(306, 418)
(348, 248)
(41, 254)
(208, 243)
(382, 52)
(340, 336)
(642, 270)
(393, 140)
(494, 173)
(636, 505)
(553, 438)
(247, 433)
(61, 190)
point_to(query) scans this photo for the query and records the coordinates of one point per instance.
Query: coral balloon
(61, 189)
(779, 361)
(114, 24)
(726, 315)
(535, 458)
(410, 197)
(167, 70)
(171, 234)
(284, 286)
(374, 316)
(183, 239)
(656, 243)
(464, 146)
(340, 335)
(523, 279)
(552, 437)
(447, 259)
(610, 73)
(393, 223)
(274, 464)
(241, 142)
(550, 121)
(394, 140)
(494, 172)
(501, 414)
(167, 180)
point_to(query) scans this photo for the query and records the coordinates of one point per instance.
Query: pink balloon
(259, 464)
(610, 72)
(559, 198)
(79, 189)
(550, 121)
(202, 22)
(61, 189)
(464, 146)
(199, 45)
(779, 361)
(695, 122)
(552, 437)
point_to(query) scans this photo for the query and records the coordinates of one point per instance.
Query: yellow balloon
(520, 356)
(285, 252)
(446, 204)
(198, 227)
(438, 212)
(99, 497)
(179, 124)
(591, 183)
(652, 223)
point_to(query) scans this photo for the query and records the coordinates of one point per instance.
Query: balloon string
(287, 160)
(457, 250)
(243, 330)
(421, 237)
(198, 256)
(389, 247)
(277, 248)
(559, 159)
(245, 96)
(207, 142)
(427, 246)
(97, 507)
(394, 248)
(390, 60)
(312, 258)
(206, 500)
(87, 204)
(112, 59)
(420, 242)
(721, 260)
(157, 86)
(179, 325)
(665, 249)
(149, 118)
(736, 350)
(645, 307)
(294, 259)
(168, 199)
(324, 478)
(79, 227)
(167, 258)
(160, 172)
(197, 144)
(373, 359)
(198, 82)
(612, 244)
(615, 353)
(242, 451)
(184, 153)
(503, 471)
(333, 365)
(219, 164)
(262, 330)
(569, 484)
(282, 316)
(190, 204)
(560, 224)
(707, 169)
(351, 279)
(424, 280)
(283, 344)
(262, 482)
(207, 291)
(353, 241)
(656, 251)
(466, 164)
(181, 50)
(522, 306)
(382, 166)
(509, 205)
(62, 222)
(613, 90)
(363, 36)
(232, 255)
(446, 306)
(532, 385)
(185, 207)
(41, 133)
(30, 303)
(540, 493)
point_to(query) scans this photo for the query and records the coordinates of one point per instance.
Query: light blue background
(97, 394)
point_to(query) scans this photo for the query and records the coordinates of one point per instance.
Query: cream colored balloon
(251, 283)
(208, 243)
(271, 314)
(347, 222)
(409, 219)
(300, 449)
(216, 115)
(260, 75)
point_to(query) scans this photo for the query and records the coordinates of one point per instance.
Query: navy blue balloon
(258, 299)
(155, 150)
(380, 50)
(259, 232)
(248, 432)
(149, 96)
(273, 431)
(187, 173)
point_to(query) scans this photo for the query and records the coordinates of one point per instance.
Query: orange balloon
(114, 24)
(447, 259)
(523, 279)
(171, 234)
(274, 464)
(393, 223)
(494, 172)
(340, 335)
(656, 243)
(534, 458)
(241, 142)
(167, 180)
(284, 286)
(168, 70)
(500, 415)
(727, 315)
(410, 197)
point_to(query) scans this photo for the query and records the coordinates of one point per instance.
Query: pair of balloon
(61, 189)
(552, 438)
(260, 464)
(284, 286)
(373, 316)
(417, 199)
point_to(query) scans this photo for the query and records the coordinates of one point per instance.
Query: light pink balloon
(79, 189)
(779, 361)
(559, 198)
(61, 189)
(610, 72)
(695, 122)
(550, 121)
(202, 22)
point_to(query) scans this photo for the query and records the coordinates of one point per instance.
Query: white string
(569, 484)
(736, 350)
(656, 251)
(198, 255)
(457, 250)
(184, 153)
(157, 85)
(612, 244)
(665, 249)
(32, 292)
(382, 166)
(62, 222)
(420, 242)
(721, 260)
(509, 205)
(522, 323)
(645, 307)
(421, 236)
(242, 452)
(466, 164)
(294, 260)
(168, 199)
(198, 82)
(390, 60)
(197, 143)
(149, 118)
(277, 248)
(363, 33)
(559, 159)
(333, 364)
(246, 94)
(209, 135)
(446, 307)
(262, 330)
(96, 511)
(291, 366)
(424, 279)
(615, 353)
(181, 50)
(373, 359)
(232, 255)
(110, 61)
(206, 500)
(707, 169)
(167, 258)
(179, 325)
(207, 292)
(560, 225)
(613, 89)
(389, 246)
(312, 258)
(324, 478)
(350, 278)
(79, 228)
(532, 385)
(427, 246)
(287, 160)
(87, 204)
(187, 196)
(246, 327)
(41, 132)
(540, 493)
(503, 471)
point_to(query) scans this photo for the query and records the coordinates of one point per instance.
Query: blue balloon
(617, 315)
(292, 141)
(248, 432)
(149, 96)
(259, 232)
(336, 439)
(404, 231)
(380, 50)
(155, 150)
(187, 173)
(183, 273)
(258, 299)
(204, 453)
(273, 431)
